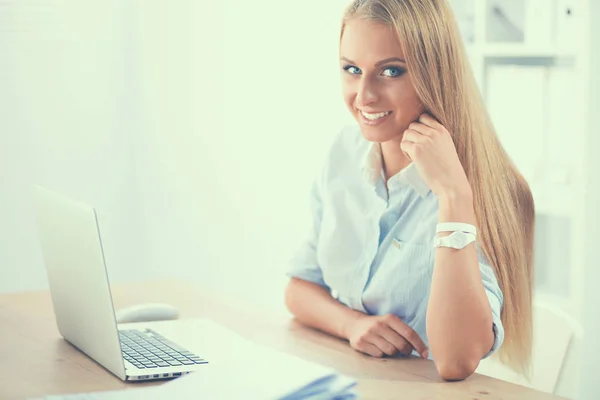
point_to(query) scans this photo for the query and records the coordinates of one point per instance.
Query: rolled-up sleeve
(304, 264)
(496, 299)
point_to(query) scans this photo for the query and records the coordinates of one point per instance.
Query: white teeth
(373, 117)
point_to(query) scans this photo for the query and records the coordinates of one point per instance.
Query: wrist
(349, 320)
(456, 206)
(462, 193)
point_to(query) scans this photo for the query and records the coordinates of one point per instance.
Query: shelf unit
(510, 50)
(514, 45)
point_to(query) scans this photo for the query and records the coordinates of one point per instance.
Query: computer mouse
(147, 313)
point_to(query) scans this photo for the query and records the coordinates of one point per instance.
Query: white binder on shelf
(564, 137)
(539, 23)
(568, 24)
(515, 99)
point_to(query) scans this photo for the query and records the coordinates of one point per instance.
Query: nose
(366, 93)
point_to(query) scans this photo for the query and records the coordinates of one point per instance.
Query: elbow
(457, 369)
(289, 296)
(456, 360)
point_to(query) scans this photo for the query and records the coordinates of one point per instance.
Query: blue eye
(394, 71)
(352, 69)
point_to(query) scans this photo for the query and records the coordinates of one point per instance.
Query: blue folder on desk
(260, 373)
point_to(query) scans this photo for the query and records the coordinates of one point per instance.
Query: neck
(394, 159)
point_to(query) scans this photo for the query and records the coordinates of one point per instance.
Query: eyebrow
(378, 63)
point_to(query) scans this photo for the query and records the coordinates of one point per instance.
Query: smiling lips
(374, 118)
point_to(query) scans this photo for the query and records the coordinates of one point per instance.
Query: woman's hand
(381, 335)
(430, 146)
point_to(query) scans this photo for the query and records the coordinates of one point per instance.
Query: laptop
(73, 255)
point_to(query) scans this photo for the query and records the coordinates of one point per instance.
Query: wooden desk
(36, 361)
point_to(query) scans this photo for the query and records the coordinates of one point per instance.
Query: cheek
(402, 96)
(406, 102)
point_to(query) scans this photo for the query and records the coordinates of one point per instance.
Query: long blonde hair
(504, 208)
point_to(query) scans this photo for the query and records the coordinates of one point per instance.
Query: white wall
(238, 116)
(193, 128)
(67, 112)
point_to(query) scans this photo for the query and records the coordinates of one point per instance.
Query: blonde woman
(423, 228)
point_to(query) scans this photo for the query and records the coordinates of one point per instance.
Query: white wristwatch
(456, 240)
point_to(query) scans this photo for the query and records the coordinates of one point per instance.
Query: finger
(413, 136)
(398, 341)
(430, 121)
(382, 344)
(407, 333)
(407, 148)
(422, 129)
(370, 349)
(407, 350)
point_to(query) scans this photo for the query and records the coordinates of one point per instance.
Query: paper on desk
(259, 373)
(264, 373)
(134, 394)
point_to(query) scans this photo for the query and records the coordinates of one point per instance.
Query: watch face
(459, 239)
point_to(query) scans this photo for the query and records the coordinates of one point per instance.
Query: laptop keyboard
(147, 349)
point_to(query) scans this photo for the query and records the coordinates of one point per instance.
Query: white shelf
(546, 298)
(546, 208)
(511, 50)
(555, 200)
(515, 50)
(554, 61)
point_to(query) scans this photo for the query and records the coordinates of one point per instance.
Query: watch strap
(455, 226)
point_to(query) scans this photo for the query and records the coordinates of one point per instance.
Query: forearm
(314, 306)
(459, 317)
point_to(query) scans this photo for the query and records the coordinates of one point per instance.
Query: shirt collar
(372, 169)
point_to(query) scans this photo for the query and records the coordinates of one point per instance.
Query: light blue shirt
(372, 246)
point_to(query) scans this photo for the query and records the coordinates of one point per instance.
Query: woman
(423, 166)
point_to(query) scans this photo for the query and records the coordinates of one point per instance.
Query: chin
(378, 134)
